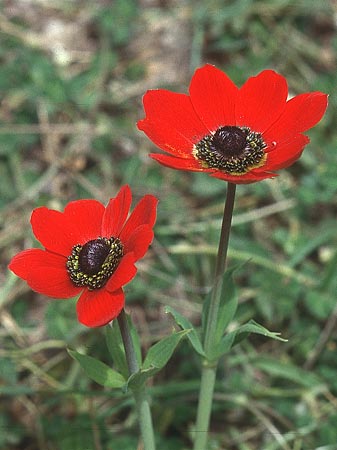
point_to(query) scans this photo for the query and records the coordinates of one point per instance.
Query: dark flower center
(235, 150)
(92, 264)
(93, 255)
(229, 141)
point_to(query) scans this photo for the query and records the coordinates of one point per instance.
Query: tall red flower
(241, 135)
(90, 250)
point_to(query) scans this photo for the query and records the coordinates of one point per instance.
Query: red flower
(238, 135)
(89, 249)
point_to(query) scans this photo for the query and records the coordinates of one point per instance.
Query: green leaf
(185, 324)
(159, 354)
(223, 347)
(135, 339)
(228, 303)
(234, 337)
(156, 358)
(116, 349)
(98, 371)
(136, 380)
(254, 327)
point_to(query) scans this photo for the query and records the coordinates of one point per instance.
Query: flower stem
(130, 353)
(209, 368)
(142, 403)
(220, 267)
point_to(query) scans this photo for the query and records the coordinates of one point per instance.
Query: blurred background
(72, 76)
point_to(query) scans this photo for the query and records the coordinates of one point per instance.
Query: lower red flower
(90, 250)
(240, 135)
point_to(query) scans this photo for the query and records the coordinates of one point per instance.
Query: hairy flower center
(92, 264)
(234, 150)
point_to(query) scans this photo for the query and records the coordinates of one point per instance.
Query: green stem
(142, 403)
(130, 353)
(208, 374)
(220, 267)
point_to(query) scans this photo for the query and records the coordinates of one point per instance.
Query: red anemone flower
(240, 135)
(90, 250)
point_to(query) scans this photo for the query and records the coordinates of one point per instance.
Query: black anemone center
(229, 141)
(92, 264)
(93, 255)
(233, 150)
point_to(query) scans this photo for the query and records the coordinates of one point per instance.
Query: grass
(67, 130)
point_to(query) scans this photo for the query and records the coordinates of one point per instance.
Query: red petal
(116, 212)
(22, 263)
(213, 95)
(143, 213)
(286, 153)
(57, 284)
(250, 177)
(171, 122)
(48, 275)
(175, 144)
(261, 100)
(124, 273)
(138, 242)
(55, 232)
(178, 163)
(301, 113)
(87, 215)
(97, 308)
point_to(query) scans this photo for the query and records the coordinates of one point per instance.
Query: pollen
(233, 150)
(92, 264)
